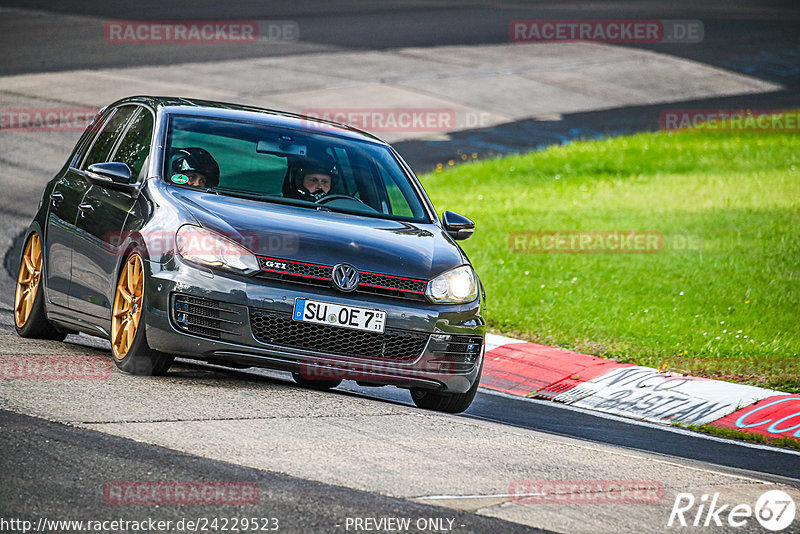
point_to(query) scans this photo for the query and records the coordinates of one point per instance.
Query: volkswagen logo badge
(345, 276)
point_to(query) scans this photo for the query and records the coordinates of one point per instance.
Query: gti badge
(345, 276)
(274, 265)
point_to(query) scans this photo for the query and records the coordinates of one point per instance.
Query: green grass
(746, 436)
(730, 307)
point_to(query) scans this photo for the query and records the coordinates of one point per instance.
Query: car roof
(226, 110)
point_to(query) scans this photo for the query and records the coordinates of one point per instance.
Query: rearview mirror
(458, 226)
(282, 147)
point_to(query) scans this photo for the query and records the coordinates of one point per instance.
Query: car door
(67, 194)
(105, 216)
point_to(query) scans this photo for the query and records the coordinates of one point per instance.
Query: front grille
(392, 282)
(456, 353)
(294, 268)
(203, 317)
(320, 275)
(280, 329)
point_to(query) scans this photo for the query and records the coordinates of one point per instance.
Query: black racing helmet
(306, 167)
(196, 159)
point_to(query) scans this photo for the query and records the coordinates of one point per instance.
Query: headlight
(455, 286)
(205, 247)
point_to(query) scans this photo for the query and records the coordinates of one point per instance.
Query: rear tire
(30, 319)
(129, 345)
(429, 399)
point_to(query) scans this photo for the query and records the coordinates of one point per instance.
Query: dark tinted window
(135, 146)
(86, 139)
(111, 131)
(269, 163)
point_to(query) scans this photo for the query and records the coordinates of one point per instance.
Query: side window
(105, 140)
(86, 138)
(135, 146)
(398, 204)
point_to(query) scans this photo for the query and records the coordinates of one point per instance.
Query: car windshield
(285, 165)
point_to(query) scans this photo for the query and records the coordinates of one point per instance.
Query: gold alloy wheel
(127, 307)
(28, 280)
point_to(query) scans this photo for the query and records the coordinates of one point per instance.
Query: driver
(313, 180)
(194, 166)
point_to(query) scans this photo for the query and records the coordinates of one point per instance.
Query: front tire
(428, 399)
(30, 319)
(129, 345)
(315, 384)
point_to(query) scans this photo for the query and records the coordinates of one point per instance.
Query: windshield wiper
(262, 198)
(235, 193)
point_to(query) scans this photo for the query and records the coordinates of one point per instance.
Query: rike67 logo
(774, 510)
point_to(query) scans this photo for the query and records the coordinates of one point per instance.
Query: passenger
(195, 167)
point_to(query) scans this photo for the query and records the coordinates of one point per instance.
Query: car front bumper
(224, 318)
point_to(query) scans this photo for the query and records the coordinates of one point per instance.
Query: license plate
(313, 311)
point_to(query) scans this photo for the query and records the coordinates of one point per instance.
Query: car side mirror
(458, 226)
(112, 175)
(119, 173)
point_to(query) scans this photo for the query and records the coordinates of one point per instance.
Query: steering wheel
(328, 198)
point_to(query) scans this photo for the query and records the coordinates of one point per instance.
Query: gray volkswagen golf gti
(252, 238)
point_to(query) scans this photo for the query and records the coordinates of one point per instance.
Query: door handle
(55, 198)
(85, 208)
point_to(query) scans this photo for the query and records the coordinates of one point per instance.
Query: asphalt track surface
(583, 424)
(752, 37)
(52, 469)
(550, 417)
(76, 464)
(58, 471)
(734, 31)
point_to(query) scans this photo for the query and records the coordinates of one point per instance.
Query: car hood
(279, 231)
